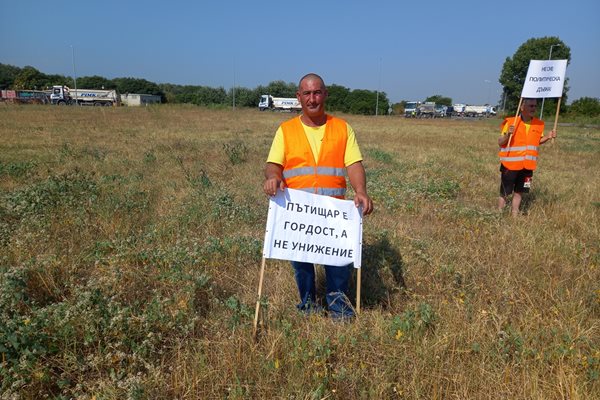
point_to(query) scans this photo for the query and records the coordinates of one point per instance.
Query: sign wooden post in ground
(358, 284)
(556, 116)
(260, 285)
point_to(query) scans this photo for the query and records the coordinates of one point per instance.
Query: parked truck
(410, 109)
(268, 102)
(465, 110)
(426, 110)
(62, 95)
(479, 111)
(458, 110)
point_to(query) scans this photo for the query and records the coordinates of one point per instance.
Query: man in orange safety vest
(518, 159)
(314, 152)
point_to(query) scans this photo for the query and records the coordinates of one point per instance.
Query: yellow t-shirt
(506, 126)
(527, 126)
(315, 136)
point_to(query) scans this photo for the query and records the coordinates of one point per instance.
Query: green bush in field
(414, 322)
(17, 169)
(40, 198)
(94, 327)
(236, 151)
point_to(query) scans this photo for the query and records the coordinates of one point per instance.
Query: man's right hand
(271, 185)
(273, 179)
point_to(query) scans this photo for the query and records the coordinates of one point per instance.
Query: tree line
(342, 99)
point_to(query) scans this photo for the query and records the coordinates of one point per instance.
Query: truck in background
(410, 109)
(458, 110)
(62, 95)
(465, 110)
(426, 110)
(479, 111)
(268, 102)
(431, 110)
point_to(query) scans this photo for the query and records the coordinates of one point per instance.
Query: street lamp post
(489, 83)
(378, 88)
(74, 74)
(543, 98)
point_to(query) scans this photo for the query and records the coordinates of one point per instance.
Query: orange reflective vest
(328, 175)
(522, 151)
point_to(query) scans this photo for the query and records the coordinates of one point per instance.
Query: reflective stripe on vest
(311, 170)
(326, 176)
(327, 191)
(519, 158)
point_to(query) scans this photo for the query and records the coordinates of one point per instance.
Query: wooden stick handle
(556, 115)
(358, 284)
(260, 284)
(515, 121)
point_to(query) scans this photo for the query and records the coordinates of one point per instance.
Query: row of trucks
(62, 95)
(287, 104)
(416, 109)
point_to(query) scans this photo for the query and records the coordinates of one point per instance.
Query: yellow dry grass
(460, 301)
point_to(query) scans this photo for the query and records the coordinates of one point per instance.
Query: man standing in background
(519, 157)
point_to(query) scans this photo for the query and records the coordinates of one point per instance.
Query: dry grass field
(130, 249)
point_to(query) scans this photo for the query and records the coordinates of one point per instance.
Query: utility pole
(378, 88)
(74, 74)
(233, 89)
(489, 84)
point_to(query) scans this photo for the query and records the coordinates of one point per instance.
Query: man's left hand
(361, 199)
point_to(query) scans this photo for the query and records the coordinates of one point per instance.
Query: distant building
(134, 99)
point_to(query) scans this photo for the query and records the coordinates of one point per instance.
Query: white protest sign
(545, 78)
(306, 227)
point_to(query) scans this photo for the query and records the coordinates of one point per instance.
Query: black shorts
(517, 181)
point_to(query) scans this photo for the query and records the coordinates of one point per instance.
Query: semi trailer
(268, 102)
(62, 95)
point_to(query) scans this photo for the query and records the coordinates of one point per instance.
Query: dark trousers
(337, 288)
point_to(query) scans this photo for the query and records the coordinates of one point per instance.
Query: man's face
(311, 95)
(528, 108)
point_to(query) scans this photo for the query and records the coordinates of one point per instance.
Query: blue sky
(410, 50)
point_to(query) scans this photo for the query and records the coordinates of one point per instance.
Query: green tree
(30, 78)
(439, 99)
(58, 80)
(137, 85)
(8, 74)
(95, 82)
(514, 69)
(337, 99)
(208, 96)
(588, 106)
(244, 97)
(365, 102)
(281, 89)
